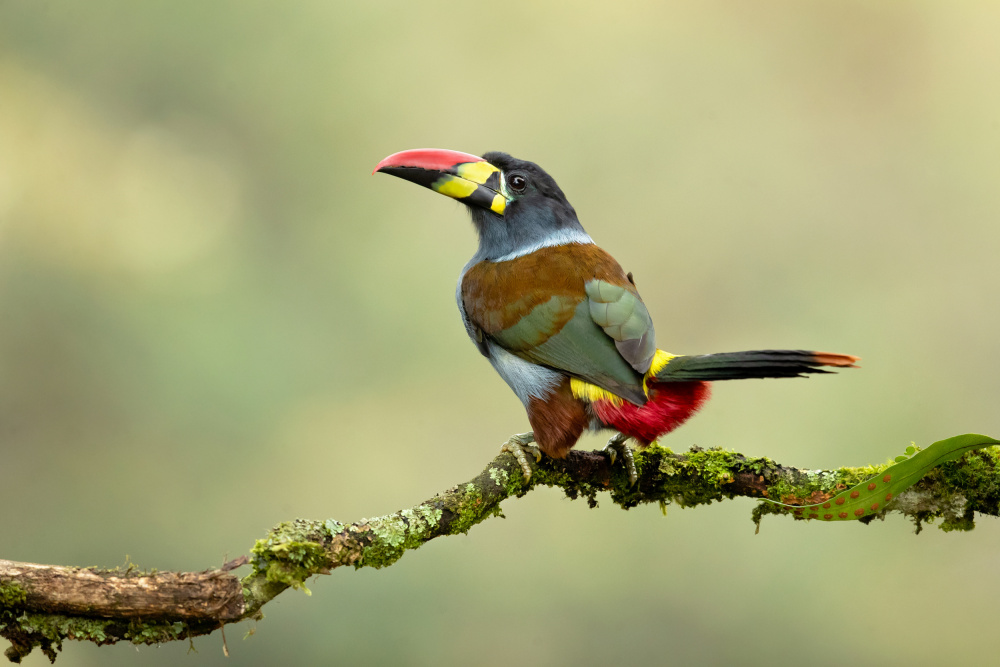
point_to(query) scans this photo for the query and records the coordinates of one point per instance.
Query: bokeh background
(213, 318)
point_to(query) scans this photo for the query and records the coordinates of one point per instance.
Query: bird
(563, 324)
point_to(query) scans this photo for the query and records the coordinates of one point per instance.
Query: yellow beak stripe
(468, 183)
(499, 204)
(453, 186)
(477, 172)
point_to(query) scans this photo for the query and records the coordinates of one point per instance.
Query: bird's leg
(619, 445)
(518, 445)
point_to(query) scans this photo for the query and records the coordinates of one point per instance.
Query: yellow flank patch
(660, 359)
(477, 172)
(453, 186)
(591, 392)
(499, 204)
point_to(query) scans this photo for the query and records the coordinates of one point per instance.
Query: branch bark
(41, 606)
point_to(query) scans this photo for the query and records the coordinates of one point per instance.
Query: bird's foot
(520, 445)
(619, 445)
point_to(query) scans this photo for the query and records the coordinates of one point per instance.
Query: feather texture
(752, 364)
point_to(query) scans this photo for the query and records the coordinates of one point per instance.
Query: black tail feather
(752, 364)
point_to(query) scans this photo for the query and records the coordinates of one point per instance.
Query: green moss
(964, 522)
(813, 482)
(975, 475)
(499, 476)
(550, 473)
(473, 506)
(48, 631)
(510, 484)
(289, 563)
(952, 491)
(716, 465)
(960, 489)
(27, 631)
(55, 628)
(292, 552)
(396, 533)
(296, 550)
(698, 477)
(11, 595)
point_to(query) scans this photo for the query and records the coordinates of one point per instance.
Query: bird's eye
(517, 182)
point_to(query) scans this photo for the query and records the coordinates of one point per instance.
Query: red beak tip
(426, 158)
(381, 165)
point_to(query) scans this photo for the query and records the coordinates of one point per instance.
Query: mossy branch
(41, 606)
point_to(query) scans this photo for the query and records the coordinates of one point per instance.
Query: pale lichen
(499, 476)
(296, 550)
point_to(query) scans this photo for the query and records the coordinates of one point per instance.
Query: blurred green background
(213, 318)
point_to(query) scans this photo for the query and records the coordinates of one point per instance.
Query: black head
(515, 205)
(536, 209)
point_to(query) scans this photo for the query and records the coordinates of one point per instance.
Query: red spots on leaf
(888, 496)
(827, 516)
(843, 515)
(887, 479)
(874, 507)
(814, 516)
(871, 487)
(840, 500)
(826, 506)
(855, 494)
(859, 511)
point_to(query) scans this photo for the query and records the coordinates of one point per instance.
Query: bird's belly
(526, 379)
(670, 404)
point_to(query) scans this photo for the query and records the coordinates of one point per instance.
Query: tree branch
(40, 606)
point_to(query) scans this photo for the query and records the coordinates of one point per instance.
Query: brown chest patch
(497, 295)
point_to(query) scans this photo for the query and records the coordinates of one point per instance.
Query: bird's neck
(503, 240)
(555, 238)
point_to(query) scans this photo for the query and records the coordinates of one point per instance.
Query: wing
(570, 308)
(474, 332)
(623, 316)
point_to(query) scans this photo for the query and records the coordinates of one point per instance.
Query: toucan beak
(468, 178)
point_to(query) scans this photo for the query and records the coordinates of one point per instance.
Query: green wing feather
(623, 316)
(871, 496)
(579, 347)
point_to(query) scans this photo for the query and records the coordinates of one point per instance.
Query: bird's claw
(519, 445)
(618, 445)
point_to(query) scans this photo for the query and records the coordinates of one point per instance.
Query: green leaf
(871, 496)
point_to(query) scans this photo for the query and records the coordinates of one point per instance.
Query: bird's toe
(520, 445)
(619, 445)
